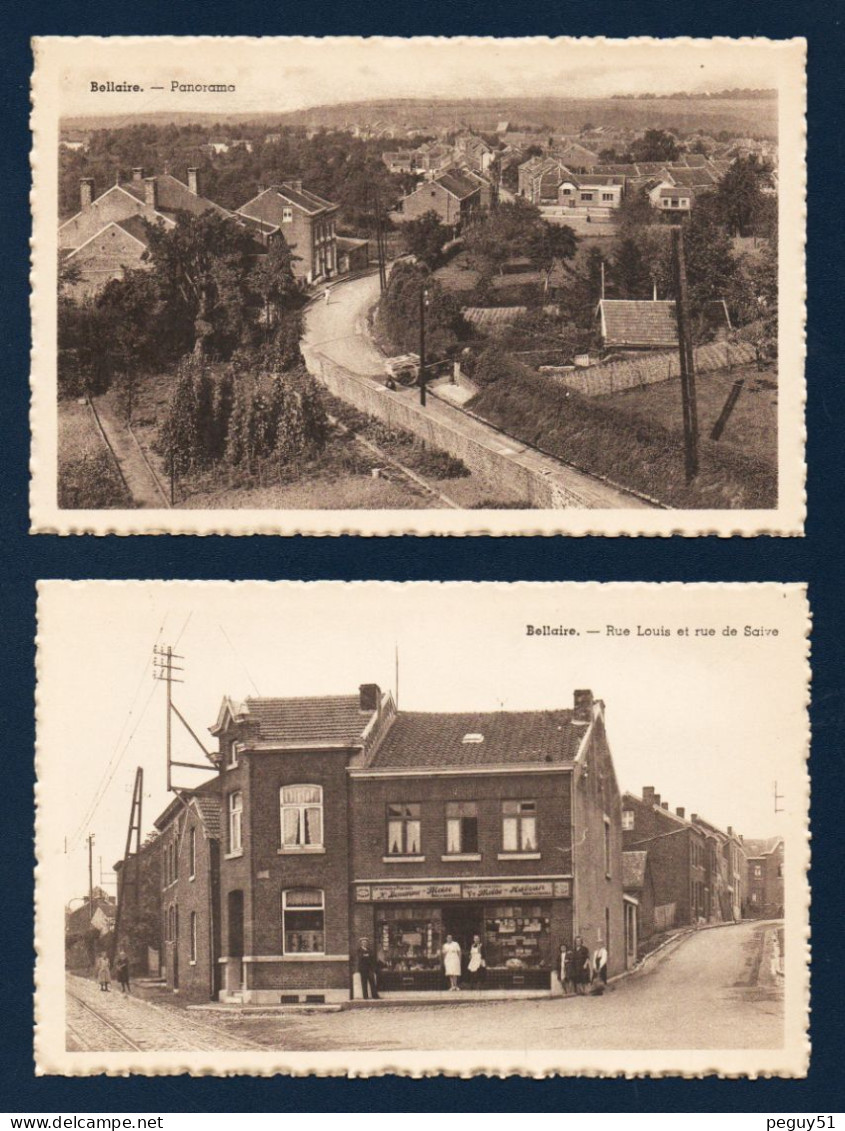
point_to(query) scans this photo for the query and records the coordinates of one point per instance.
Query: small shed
(636, 324)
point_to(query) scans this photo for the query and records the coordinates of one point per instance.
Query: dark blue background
(817, 558)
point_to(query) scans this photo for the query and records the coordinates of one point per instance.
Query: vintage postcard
(424, 828)
(418, 286)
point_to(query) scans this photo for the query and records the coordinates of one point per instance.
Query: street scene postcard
(425, 286)
(369, 828)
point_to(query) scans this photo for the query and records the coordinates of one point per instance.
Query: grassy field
(87, 476)
(637, 451)
(752, 426)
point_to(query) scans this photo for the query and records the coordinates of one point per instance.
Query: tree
(548, 245)
(655, 145)
(274, 282)
(425, 237)
(630, 270)
(739, 195)
(399, 312)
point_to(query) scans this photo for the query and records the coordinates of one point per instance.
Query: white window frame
(607, 846)
(455, 828)
(192, 852)
(515, 823)
(192, 955)
(628, 818)
(321, 907)
(301, 808)
(287, 215)
(405, 820)
(236, 818)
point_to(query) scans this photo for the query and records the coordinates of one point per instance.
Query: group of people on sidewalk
(121, 969)
(577, 970)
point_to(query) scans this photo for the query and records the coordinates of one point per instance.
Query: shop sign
(563, 889)
(509, 889)
(363, 894)
(381, 892)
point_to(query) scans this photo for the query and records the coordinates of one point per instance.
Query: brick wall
(501, 471)
(650, 368)
(370, 798)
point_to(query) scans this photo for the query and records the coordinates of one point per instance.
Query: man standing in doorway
(367, 970)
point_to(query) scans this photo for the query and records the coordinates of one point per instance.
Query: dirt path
(141, 482)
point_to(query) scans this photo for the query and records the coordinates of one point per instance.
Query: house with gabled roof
(306, 221)
(452, 195)
(108, 235)
(637, 324)
(334, 818)
(499, 824)
(764, 886)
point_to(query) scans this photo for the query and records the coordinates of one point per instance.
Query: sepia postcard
(418, 286)
(425, 828)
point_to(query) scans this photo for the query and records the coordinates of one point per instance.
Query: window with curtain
(302, 816)
(303, 921)
(519, 826)
(461, 826)
(403, 829)
(236, 812)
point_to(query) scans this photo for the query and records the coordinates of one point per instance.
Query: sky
(282, 75)
(711, 722)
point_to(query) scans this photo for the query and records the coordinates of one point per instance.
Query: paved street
(338, 331)
(713, 989)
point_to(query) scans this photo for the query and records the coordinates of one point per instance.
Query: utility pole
(686, 356)
(382, 272)
(134, 830)
(163, 669)
(423, 305)
(90, 875)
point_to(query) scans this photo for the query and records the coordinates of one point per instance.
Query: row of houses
(108, 237)
(670, 187)
(329, 820)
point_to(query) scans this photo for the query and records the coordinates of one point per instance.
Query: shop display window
(518, 936)
(409, 938)
(303, 922)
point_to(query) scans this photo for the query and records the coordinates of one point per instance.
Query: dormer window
(472, 739)
(287, 215)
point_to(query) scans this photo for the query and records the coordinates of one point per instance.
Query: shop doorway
(462, 921)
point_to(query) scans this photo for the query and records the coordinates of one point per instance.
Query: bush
(91, 483)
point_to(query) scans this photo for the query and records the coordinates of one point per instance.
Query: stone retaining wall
(504, 471)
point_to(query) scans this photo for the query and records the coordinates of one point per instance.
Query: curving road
(338, 331)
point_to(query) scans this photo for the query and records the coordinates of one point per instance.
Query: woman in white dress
(452, 961)
(476, 964)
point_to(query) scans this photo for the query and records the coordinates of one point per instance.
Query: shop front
(520, 925)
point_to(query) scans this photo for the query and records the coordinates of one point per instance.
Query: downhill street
(338, 331)
(712, 989)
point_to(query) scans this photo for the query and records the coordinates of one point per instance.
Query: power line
(102, 791)
(240, 661)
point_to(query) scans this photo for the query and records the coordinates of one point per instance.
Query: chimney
(583, 707)
(194, 181)
(648, 795)
(694, 817)
(680, 811)
(730, 830)
(656, 800)
(138, 174)
(369, 697)
(150, 192)
(296, 185)
(86, 191)
(664, 805)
